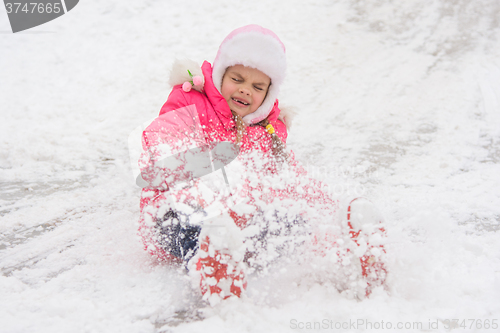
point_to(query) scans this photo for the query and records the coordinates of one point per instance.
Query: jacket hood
(214, 96)
(179, 75)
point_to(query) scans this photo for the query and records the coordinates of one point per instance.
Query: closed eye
(258, 88)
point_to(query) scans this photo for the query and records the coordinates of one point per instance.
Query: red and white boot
(221, 276)
(366, 229)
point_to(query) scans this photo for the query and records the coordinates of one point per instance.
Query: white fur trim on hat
(256, 47)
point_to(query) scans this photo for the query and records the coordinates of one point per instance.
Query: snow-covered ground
(397, 100)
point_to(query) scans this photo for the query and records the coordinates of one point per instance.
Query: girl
(224, 120)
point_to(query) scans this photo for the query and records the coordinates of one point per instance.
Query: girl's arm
(168, 140)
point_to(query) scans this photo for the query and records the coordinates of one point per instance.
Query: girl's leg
(176, 236)
(367, 230)
(348, 251)
(277, 235)
(221, 274)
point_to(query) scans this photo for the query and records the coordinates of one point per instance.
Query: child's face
(244, 88)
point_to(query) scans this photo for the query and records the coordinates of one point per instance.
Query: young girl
(224, 195)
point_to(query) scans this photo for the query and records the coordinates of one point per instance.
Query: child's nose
(244, 90)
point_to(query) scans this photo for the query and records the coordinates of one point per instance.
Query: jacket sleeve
(168, 142)
(177, 99)
(279, 126)
(281, 130)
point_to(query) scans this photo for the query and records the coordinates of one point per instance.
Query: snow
(398, 101)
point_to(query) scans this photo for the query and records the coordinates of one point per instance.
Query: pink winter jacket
(215, 115)
(215, 120)
(207, 118)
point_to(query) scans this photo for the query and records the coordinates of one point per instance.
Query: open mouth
(239, 102)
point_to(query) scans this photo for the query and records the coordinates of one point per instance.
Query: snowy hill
(398, 101)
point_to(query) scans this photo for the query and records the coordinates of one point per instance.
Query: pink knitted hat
(256, 47)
